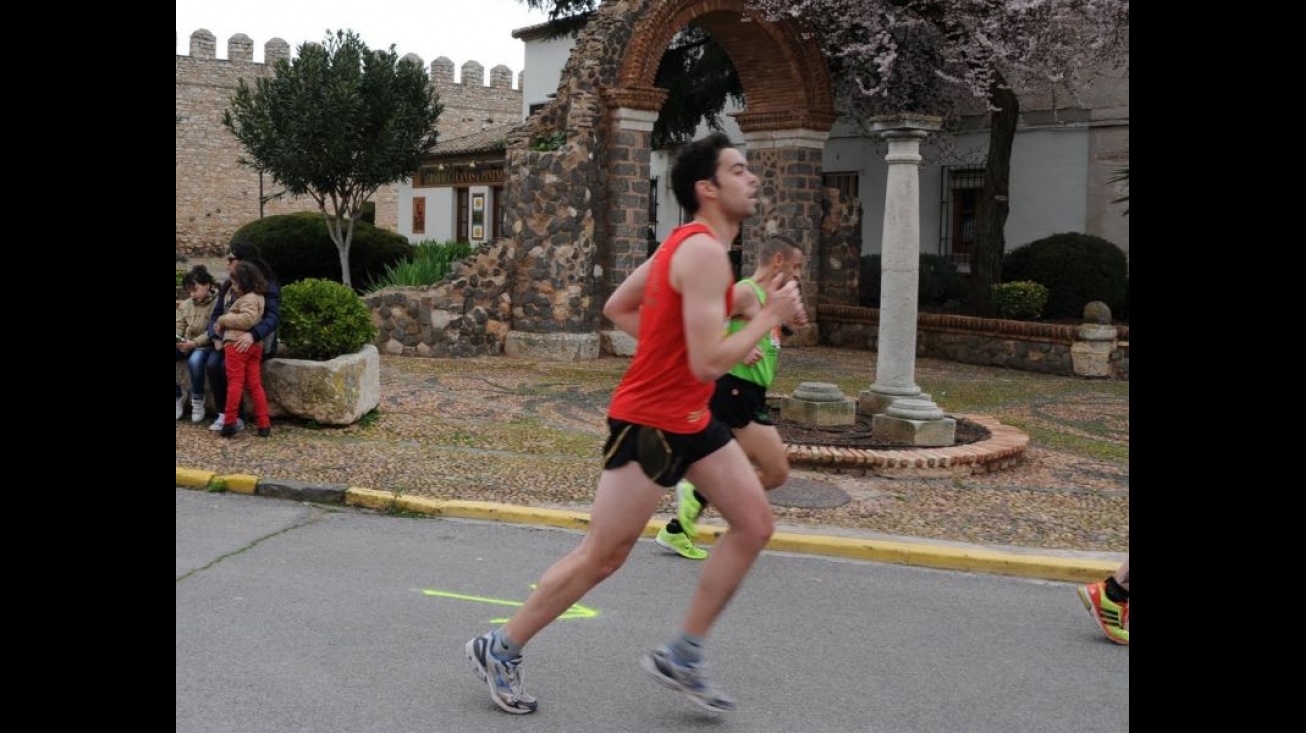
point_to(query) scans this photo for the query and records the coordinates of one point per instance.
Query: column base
(926, 433)
(870, 402)
(840, 412)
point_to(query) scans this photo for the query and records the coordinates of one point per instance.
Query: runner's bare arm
(622, 307)
(745, 303)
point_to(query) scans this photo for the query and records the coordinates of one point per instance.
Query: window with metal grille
(847, 183)
(961, 191)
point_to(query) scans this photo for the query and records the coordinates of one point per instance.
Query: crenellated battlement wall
(216, 195)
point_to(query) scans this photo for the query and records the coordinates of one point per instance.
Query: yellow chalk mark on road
(576, 611)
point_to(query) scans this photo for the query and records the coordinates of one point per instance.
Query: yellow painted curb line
(888, 551)
(240, 483)
(953, 558)
(237, 483)
(382, 501)
(193, 478)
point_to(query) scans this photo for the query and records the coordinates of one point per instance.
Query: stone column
(895, 366)
(628, 196)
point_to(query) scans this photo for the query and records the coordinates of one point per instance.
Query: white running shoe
(504, 678)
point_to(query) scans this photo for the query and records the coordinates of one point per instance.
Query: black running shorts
(737, 402)
(664, 456)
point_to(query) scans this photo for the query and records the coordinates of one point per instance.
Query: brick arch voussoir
(785, 79)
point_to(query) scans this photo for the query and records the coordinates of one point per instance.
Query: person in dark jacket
(264, 332)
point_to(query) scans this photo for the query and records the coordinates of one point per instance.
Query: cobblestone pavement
(530, 433)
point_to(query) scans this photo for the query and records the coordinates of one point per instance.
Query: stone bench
(335, 392)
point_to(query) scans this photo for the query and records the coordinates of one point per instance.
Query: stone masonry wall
(839, 264)
(216, 195)
(1034, 347)
(555, 289)
(467, 314)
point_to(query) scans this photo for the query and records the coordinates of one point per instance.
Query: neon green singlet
(763, 372)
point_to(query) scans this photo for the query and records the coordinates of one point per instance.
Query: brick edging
(1000, 450)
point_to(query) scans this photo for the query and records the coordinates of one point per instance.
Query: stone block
(1092, 358)
(338, 391)
(841, 412)
(552, 346)
(618, 343)
(925, 433)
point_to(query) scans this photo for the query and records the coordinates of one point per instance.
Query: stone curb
(1046, 567)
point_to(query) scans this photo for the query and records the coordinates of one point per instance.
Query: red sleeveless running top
(659, 389)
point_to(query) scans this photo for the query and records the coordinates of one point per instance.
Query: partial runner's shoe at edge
(679, 543)
(1111, 617)
(688, 679)
(504, 679)
(688, 509)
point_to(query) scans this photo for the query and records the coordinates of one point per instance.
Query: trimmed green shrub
(1020, 301)
(323, 319)
(298, 247)
(1075, 268)
(940, 284)
(430, 263)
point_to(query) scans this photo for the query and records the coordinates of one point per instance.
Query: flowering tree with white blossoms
(938, 56)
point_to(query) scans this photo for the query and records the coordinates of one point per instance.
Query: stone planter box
(334, 392)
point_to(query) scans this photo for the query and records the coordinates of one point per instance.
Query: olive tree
(336, 123)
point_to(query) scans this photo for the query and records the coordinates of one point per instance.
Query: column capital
(905, 125)
(790, 138)
(627, 118)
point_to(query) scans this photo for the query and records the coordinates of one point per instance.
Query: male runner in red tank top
(660, 430)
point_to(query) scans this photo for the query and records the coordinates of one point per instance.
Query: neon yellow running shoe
(688, 509)
(1111, 617)
(680, 544)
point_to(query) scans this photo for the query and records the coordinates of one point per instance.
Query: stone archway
(578, 214)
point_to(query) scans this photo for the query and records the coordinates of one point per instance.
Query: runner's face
(736, 185)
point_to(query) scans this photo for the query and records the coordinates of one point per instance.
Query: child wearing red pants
(244, 368)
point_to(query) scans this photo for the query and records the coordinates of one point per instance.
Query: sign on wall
(419, 214)
(478, 217)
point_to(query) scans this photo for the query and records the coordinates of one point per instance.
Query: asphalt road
(301, 617)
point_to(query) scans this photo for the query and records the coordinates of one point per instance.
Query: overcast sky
(462, 30)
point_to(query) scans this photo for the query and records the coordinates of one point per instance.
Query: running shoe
(1110, 616)
(688, 509)
(688, 679)
(504, 678)
(679, 543)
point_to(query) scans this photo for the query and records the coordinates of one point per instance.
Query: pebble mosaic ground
(529, 433)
